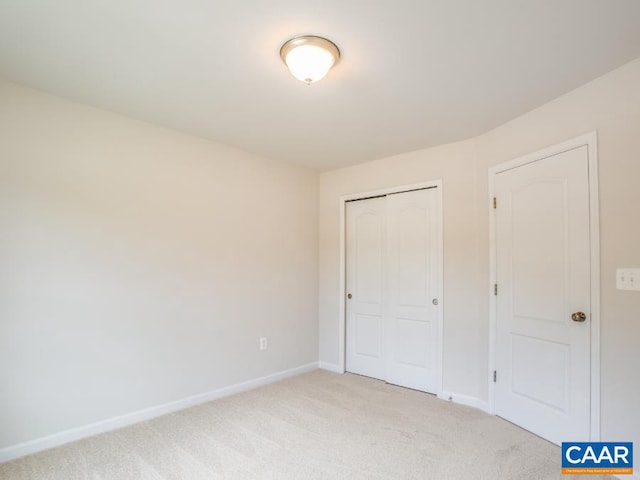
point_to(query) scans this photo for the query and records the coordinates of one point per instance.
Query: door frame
(590, 140)
(343, 270)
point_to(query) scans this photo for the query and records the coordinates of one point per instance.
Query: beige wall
(610, 105)
(141, 265)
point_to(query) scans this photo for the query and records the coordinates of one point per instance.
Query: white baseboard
(465, 400)
(331, 367)
(71, 435)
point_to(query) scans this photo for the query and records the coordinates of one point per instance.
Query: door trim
(343, 257)
(591, 141)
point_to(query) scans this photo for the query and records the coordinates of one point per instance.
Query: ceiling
(413, 74)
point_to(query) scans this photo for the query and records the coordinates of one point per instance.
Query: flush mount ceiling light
(309, 58)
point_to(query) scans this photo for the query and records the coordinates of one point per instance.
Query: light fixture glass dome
(309, 58)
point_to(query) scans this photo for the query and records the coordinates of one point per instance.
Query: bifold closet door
(392, 284)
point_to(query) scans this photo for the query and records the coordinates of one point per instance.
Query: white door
(366, 258)
(543, 290)
(412, 273)
(393, 258)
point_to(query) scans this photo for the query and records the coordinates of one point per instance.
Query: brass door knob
(349, 296)
(578, 317)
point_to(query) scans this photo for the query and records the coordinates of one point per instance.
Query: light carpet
(318, 425)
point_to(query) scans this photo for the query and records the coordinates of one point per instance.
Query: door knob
(578, 317)
(349, 296)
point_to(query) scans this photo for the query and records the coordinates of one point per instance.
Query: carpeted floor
(315, 426)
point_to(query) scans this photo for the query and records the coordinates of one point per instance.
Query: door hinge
(495, 289)
(495, 376)
(495, 202)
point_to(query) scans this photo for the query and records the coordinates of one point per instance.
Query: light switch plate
(628, 279)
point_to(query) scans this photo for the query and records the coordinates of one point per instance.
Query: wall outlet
(628, 279)
(263, 343)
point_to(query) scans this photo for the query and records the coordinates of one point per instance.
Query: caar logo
(602, 458)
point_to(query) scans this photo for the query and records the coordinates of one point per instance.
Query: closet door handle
(578, 317)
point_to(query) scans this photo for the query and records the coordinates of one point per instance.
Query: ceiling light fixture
(309, 58)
